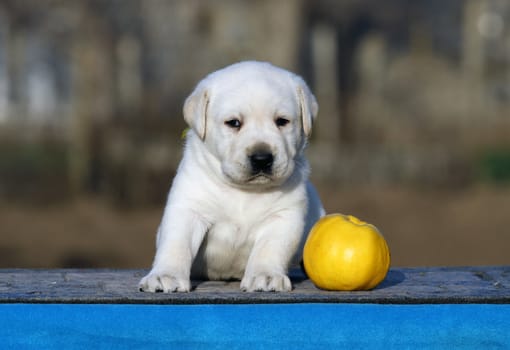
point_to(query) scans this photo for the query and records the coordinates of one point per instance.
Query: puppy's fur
(240, 201)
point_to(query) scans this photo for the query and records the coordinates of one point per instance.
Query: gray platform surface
(401, 286)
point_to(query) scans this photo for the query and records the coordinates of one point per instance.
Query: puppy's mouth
(260, 170)
(260, 177)
(261, 167)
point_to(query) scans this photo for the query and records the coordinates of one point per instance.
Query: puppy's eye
(233, 123)
(281, 122)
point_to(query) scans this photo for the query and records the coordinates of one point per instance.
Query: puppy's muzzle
(261, 162)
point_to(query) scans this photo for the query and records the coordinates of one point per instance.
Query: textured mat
(267, 326)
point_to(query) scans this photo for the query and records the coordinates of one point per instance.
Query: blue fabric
(283, 326)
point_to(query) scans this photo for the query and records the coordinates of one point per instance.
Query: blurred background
(413, 133)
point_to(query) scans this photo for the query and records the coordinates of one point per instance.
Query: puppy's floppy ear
(195, 110)
(308, 105)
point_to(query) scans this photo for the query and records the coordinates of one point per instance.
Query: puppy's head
(254, 118)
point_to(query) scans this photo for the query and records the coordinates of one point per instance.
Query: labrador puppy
(240, 203)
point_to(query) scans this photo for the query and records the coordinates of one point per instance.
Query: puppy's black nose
(261, 162)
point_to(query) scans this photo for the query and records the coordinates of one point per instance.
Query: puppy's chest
(237, 222)
(229, 235)
(226, 249)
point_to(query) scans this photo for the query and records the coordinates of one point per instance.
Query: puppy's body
(240, 201)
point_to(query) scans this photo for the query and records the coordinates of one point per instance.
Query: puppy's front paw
(266, 282)
(161, 282)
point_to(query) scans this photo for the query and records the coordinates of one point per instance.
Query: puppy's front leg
(275, 246)
(179, 237)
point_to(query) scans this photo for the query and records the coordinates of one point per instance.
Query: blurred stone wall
(409, 92)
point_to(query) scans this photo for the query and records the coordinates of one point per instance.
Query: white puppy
(240, 201)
